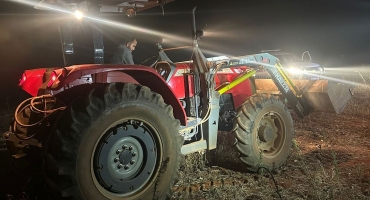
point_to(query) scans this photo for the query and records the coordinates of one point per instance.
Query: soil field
(330, 159)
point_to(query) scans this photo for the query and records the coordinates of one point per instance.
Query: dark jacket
(123, 55)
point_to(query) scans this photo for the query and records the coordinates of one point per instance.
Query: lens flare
(296, 71)
(106, 22)
(169, 37)
(78, 14)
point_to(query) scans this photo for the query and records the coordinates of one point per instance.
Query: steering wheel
(150, 58)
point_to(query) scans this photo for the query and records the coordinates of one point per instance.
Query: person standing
(123, 54)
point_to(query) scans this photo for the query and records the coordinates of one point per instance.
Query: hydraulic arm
(294, 96)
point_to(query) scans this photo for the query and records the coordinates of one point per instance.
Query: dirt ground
(330, 160)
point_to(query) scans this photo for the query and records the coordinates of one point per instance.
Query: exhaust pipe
(194, 27)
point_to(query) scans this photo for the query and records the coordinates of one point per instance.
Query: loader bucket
(322, 95)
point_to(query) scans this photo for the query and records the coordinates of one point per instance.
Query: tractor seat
(163, 68)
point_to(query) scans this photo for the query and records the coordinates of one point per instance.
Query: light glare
(79, 15)
(296, 71)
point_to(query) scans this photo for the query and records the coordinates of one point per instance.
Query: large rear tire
(264, 132)
(115, 145)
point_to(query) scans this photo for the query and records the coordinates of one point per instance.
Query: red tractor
(107, 131)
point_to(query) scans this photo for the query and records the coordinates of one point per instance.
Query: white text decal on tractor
(279, 78)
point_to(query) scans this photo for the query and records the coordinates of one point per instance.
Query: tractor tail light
(53, 78)
(23, 79)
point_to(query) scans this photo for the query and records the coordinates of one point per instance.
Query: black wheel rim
(125, 158)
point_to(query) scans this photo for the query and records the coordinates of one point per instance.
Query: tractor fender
(108, 73)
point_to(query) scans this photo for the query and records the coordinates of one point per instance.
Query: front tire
(115, 145)
(264, 132)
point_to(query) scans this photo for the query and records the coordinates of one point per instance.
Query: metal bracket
(10, 136)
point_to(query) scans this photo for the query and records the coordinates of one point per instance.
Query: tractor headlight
(79, 15)
(296, 71)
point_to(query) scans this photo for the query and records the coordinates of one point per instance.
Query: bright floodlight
(78, 14)
(296, 71)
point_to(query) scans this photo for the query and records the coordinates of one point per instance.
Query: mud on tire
(120, 141)
(264, 132)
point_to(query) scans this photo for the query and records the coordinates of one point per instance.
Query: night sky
(335, 32)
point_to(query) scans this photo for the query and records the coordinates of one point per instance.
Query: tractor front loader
(107, 131)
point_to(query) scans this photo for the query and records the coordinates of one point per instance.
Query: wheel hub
(128, 156)
(125, 157)
(267, 133)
